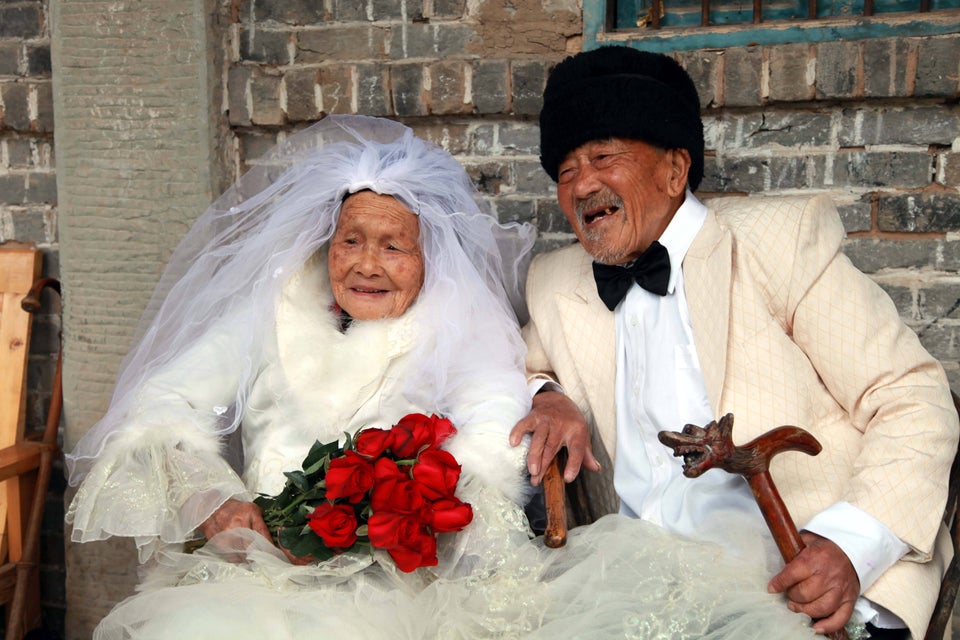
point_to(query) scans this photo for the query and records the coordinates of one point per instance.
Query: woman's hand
(237, 514)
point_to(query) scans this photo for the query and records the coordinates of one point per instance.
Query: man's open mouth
(593, 216)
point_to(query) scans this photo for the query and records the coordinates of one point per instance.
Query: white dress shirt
(659, 386)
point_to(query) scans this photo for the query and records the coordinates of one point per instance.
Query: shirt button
(633, 320)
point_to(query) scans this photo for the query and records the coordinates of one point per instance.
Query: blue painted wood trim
(594, 12)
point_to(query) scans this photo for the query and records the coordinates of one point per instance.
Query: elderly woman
(352, 278)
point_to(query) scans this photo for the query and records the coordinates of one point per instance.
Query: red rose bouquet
(390, 489)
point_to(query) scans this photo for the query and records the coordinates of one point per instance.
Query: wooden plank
(19, 267)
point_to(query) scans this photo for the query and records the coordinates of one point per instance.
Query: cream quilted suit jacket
(788, 332)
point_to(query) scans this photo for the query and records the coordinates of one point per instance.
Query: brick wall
(28, 213)
(873, 123)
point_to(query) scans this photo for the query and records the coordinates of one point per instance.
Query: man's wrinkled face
(376, 266)
(619, 195)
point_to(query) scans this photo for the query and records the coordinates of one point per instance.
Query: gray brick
(837, 69)
(29, 225)
(253, 144)
(789, 68)
(452, 137)
(20, 22)
(349, 10)
(885, 68)
(786, 129)
(301, 95)
(41, 187)
(482, 140)
(265, 92)
(870, 255)
(741, 76)
(515, 210)
(267, 47)
(529, 79)
(789, 172)
(941, 340)
(295, 12)
(449, 8)
(882, 169)
(10, 58)
(389, 9)
(454, 39)
(856, 216)
(520, 138)
(19, 153)
(238, 79)
(447, 88)
(938, 66)
(13, 188)
(737, 174)
(948, 166)
(491, 178)
(406, 81)
(939, 301)
(921, 212)
(341, 43)
(531, 178)
(490, 86)
(704, 70)
(550, 218)
(15, 113)
(44, 122)
(38, 60)
(416, 41)
(336, 89)
(372, 98)
(921, 125)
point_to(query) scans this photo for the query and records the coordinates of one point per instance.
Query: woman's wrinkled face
(375, 262)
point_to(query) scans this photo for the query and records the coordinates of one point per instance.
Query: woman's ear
(679, 160)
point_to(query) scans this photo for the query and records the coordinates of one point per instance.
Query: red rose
(385, 469)
(423, 553)
(442, 429)
(448, 514)
(413, 433)
(405, 538)
(398, 494)
(335, 524)
(437, 473)
(372, 442)
(349, 477)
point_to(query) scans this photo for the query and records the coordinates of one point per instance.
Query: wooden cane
(705, 448)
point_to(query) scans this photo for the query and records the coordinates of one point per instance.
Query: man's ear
(679, 160)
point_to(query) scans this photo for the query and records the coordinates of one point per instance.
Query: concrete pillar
(138, 136)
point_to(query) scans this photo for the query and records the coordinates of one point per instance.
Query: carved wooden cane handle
(705, 448)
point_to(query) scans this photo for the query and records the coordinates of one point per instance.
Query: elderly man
(670, 312)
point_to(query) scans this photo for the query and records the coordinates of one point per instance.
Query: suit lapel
(707, 275)
(590, 332)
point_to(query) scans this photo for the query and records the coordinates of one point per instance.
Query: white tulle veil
(245, 246)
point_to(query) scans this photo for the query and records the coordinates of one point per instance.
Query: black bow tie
(651, 271)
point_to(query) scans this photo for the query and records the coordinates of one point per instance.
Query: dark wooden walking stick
(704, 448)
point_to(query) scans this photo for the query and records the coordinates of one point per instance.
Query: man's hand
(555, 422)
(819, 582)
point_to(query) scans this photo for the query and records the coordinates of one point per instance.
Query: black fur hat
(619, 92)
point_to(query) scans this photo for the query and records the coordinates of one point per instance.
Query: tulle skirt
(617, 578)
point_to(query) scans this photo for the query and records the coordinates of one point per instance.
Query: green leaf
(298, 479)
